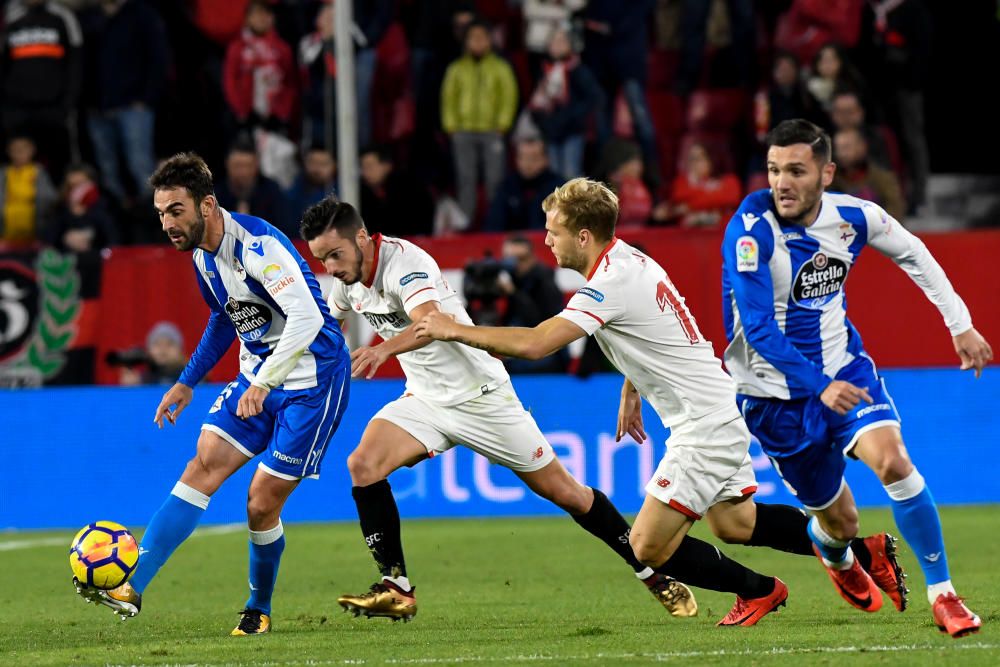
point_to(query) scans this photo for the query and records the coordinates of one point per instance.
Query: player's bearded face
(190, 238)
(797, 182)
(352, 273)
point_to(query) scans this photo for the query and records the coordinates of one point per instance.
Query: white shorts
(706, 462)
(494, 424)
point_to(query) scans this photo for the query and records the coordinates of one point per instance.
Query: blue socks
(265, 555)
(836, 553)
(917, 517)
(172, 524)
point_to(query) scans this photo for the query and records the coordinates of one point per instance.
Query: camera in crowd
(482, 288)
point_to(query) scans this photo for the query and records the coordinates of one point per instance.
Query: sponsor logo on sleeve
(272, 272)
(257, 247)
(592, 293)
(275, 279)
(747, 254)
(410, 277)
(749, 220)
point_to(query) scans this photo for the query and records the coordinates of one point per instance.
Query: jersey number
(666, 295)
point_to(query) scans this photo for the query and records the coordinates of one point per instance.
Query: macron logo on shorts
(291, 460)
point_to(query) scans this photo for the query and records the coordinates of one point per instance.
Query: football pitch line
(15, 545)
(662, 656)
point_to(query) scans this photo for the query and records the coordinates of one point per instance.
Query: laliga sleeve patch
(747, 254)
(410, 277)
(272, 272)
(592, 293)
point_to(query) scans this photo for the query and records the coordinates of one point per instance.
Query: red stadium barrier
(144, 285)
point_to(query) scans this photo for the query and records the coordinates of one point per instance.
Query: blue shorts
(807, 441)
(294, 428)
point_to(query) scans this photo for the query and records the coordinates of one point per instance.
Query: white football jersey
(641, 322)
(403, 277)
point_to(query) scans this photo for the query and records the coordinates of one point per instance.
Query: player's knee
(262, 511)
(894, 467)
(733, 533)
(364, 468)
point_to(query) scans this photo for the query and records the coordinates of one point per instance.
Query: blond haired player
(644, 327)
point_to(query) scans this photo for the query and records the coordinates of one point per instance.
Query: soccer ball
(103, 555)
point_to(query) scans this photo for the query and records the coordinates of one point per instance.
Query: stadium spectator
(26, 194)
(699, 196)
(41, 64)
(532, 297)
(318, 71)
(131, 56)
(808, 25)
(832, 72)
(81, 222)
(245, 190)
(371, 19)
(896, 38)
(478, 103)
(517, 203)
(259, 73)
(857, 175)
(786, 95)
(624, 168)
(847, 113)
(161, 362)
(317, 179)
(542, 19)
(566, 95)
(392, 201)
(616, 51)
(694, 24)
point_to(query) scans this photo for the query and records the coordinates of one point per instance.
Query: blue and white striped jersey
(260, 288)
(783, 291)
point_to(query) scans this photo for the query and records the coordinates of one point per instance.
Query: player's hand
(179, 395)
(973, 350)
(437, 325)
(367, 357)
(251, 402)
(841, 397)
(630, 416)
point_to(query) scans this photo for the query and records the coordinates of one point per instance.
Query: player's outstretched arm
(551, 335)
(179, 395)
(973, 350)
(371, 358)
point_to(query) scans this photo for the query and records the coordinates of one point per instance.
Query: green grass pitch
(498, 591)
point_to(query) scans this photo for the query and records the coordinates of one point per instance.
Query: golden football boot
(383, 599)
(252, 622)
(124, 600)
(673, 595)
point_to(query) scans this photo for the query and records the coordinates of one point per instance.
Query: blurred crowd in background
(468, 112)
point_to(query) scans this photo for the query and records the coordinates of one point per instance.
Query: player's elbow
(535, 348)
(757, 330)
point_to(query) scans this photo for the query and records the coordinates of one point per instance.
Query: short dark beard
(360, 257)
(196, 235)
(801, 218)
